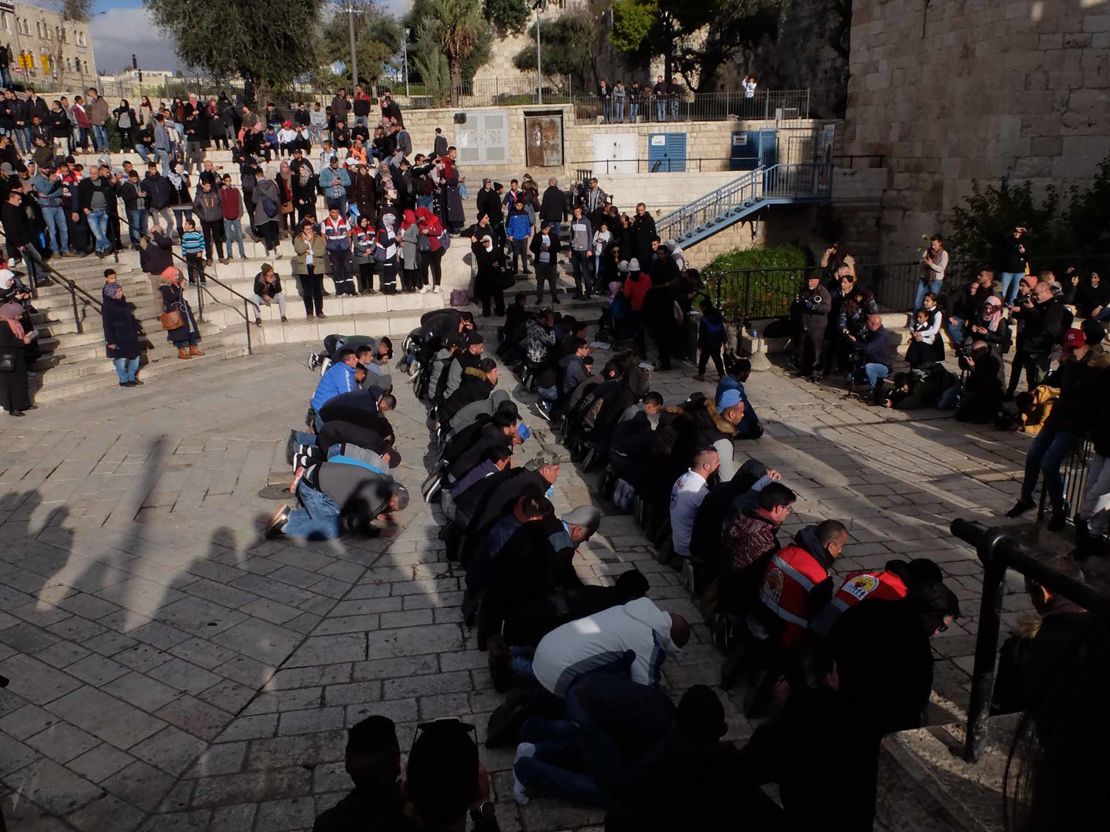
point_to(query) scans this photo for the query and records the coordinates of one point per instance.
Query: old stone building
(47, 51)
(978, 89)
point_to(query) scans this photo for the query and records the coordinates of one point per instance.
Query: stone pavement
(171, 671)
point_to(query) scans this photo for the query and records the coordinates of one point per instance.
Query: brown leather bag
(174, 319)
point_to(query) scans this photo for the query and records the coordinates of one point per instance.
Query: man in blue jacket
(338, 379)
(48, 190)
(519, 229)
(876, 354)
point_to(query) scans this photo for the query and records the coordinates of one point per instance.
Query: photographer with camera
(1041, 318)
(876, 355)
(982, 384)
(812, 306)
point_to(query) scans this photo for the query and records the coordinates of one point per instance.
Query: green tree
(458, 30)
(977, 228)
(377, 38)
(633, 21)
(667, 29)
(567, 44)
(267, 47)
(508, 16)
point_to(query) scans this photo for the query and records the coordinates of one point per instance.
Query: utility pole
(354, 57)
(539, 6)
(405, 50)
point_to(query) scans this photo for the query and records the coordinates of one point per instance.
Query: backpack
(269, 208)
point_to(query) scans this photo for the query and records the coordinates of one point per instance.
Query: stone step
(56, 384)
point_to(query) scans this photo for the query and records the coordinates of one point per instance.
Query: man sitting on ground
(875, 355)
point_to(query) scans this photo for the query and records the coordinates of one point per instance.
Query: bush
(758, 282)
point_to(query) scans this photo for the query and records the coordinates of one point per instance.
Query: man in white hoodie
(638, 631)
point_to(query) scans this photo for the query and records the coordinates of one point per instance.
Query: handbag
(7, 362)
(286, 207)
(173, 319)
(423, 244)
(505, 280)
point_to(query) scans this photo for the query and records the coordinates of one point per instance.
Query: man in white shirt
(686, 496)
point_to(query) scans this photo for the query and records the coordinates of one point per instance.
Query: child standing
(192, 249)
(711, 338)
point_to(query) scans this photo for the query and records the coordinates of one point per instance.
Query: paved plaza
(171, 671)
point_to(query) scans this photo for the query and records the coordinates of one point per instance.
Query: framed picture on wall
(543, 136)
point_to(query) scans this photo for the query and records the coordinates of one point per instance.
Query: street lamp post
(405, 51)
(354, 57)
(539, 6)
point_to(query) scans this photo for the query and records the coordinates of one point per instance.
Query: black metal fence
(1074, 471)
(753, 294)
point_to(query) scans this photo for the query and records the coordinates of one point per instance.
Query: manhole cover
(274, 492)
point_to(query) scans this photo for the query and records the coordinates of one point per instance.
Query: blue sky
(122, 27)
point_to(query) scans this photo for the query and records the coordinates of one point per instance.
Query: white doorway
(615, 153)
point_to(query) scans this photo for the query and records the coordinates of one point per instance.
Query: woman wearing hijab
(187, 336)
(362, 239)
(385, 251)
(267, 210)
(410, 250)
(14, 394)
(487, 283)
(450, 198)
(991, 327)
(121, 334)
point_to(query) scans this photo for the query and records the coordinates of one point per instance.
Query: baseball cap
(587, 517)
(727, 399)
(1074, 338)
(545, 458)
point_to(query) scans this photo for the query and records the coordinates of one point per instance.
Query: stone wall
(708, 142)
(977, 89)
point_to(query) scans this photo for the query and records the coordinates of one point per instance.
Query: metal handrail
(70, 285)
(788, 180)
(202, 289)
(998, 552)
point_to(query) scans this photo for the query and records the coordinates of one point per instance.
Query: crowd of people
(582, 666)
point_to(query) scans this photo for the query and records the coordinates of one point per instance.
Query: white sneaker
(520, 795)
(435, 289)
(423, 290)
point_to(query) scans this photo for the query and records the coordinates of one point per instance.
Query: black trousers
(1035, 367)
(338, 433)
(712, 351)
(312, 287)
(214, 237)
(811, 345)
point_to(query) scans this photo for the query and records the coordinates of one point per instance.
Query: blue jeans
(874, 373)
(233, 230)
(126, 368)
(98, 224)
(144, 154)
(100, 136)
(5, 76)
(55, 219)
(923, 288)
(618, 109)
(318, 519)
(1046, 455)
(548, 394)
(136, 219)
(633, 111)
(574, 758)
(1010, 283)
(660, 109)
(164, 155)
(956, 331)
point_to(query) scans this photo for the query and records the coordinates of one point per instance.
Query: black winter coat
(121, 330)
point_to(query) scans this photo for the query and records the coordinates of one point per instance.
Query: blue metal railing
(809, 181)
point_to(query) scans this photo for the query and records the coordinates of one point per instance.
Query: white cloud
(119, 33)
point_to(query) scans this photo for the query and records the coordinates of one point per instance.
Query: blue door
(753, 148)
(666, 152)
